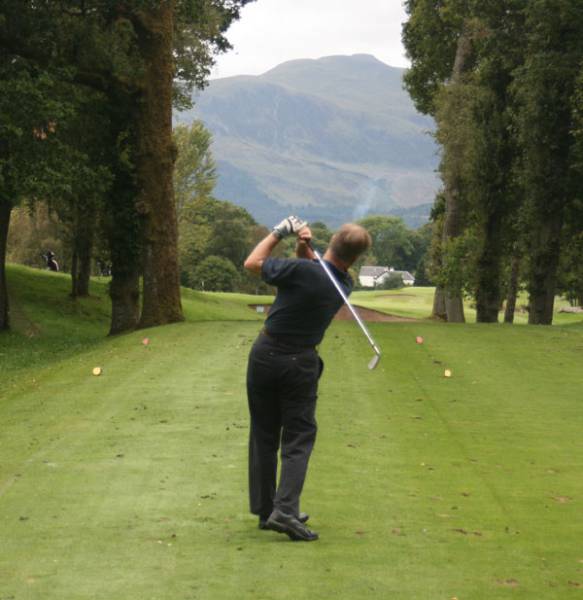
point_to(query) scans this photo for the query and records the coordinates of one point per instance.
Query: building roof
(372, 271)
(377, 272)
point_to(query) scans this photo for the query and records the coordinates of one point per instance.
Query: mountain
(331, 139)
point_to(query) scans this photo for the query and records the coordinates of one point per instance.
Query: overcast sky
(273, 31)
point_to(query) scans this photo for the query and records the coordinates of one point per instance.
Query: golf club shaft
(346, 301)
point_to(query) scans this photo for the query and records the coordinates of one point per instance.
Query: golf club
(377, 357)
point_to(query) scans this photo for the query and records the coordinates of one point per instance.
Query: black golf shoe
(303, 518)
(291, 526)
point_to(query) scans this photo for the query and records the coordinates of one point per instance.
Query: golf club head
(374, 361)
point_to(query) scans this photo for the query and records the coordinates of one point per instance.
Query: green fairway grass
(132, 485)
(417, 303)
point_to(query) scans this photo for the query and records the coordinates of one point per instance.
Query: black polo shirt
(306, 299)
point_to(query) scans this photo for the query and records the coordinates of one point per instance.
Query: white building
(371, 277)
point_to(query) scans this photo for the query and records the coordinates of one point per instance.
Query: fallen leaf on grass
(397, 531)
(575, 584)
(465, 532)
(562, 499)
(507, 582)
(360, 532)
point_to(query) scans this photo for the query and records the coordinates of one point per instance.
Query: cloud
(273, 31)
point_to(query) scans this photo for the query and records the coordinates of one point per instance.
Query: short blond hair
(349, 242)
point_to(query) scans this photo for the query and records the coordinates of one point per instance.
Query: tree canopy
(102, 78)
(503, 80)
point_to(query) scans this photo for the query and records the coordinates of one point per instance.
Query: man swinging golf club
(284, 367)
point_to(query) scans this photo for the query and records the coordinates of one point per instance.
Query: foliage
(545, 89)
(393, 282)
(570, 278)
(393, 244)
(99, 60)
(35, 160)
(194, 170)
(200, 27)
(33, 231)
(210, 227)
(214, 274)
(430, 38)
(510, 127)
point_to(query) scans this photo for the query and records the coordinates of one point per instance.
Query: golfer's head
(349, 242)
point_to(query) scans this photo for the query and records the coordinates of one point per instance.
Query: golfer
(284, 368)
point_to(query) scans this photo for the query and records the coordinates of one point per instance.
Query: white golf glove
(288, 227)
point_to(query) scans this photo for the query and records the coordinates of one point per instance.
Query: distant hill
(332, 139)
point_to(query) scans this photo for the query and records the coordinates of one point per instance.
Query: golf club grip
(345, 298)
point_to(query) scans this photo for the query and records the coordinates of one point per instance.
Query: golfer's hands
(305, 235)
(289, 226)
(303, 249)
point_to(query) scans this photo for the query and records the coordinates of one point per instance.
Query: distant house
(371, 277)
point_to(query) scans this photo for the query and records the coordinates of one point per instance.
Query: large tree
(546, 92)
(438, 39)
(143, 55)
(491, 186)
(507, 126)
(35, 161)
(393, 243)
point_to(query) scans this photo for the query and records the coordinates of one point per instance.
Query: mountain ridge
(336, 136)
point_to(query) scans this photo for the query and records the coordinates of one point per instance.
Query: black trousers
(282, 385)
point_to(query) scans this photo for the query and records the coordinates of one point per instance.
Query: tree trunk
(489, 289)
(439, 311)
(512, 290)
(155, 165)
(125, 248)
(542, 284)
(74, 267)
(84, 273)
(454, 302)
(124, 290)
(81, 263)
(452, 225)
(5, 212)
